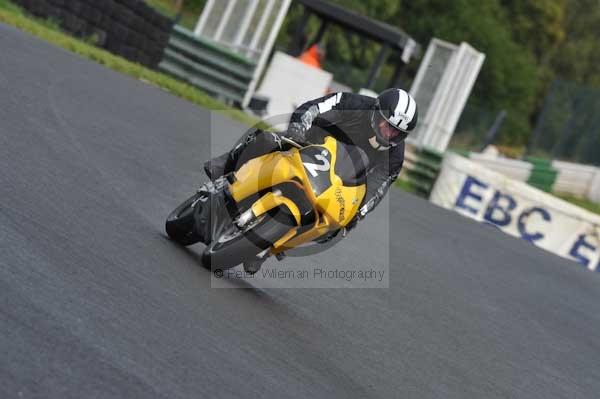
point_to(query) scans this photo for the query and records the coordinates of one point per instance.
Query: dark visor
(386, 130)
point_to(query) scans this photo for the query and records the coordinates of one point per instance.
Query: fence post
(490, 137)
(224, 19)
(261, 24)
(204, 17)
(266, 51)
(239, 37)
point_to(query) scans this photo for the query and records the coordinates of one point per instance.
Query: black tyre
(95, 17)
(238, 245)
(55, 13)
(74, 7)
(180, 225)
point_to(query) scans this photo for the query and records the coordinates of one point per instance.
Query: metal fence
(208, 66)
(568, 127)
(475, 128)
(246, 27)
(441, 88)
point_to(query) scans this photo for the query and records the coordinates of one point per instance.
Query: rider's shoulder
(355, 100)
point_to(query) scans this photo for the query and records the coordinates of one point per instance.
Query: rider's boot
(215, 168)
(223, 164)
(252, 266)
(253, 144)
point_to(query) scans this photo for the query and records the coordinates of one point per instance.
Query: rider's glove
(296, 132)
(309, 116)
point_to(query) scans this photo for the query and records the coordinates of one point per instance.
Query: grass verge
(13, 15)
(189, 15)
(404, 185)
(580, 202)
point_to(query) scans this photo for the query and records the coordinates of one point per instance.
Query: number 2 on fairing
(314, 167)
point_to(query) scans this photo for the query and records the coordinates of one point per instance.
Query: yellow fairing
(265, 172)
(335, 206)
(338, 203)
(270, 201)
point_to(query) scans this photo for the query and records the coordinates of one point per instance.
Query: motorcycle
(273, 203)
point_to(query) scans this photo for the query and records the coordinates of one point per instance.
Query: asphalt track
(96, 302)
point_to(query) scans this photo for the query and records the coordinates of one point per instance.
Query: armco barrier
(551, 176)
(512, 168)
(208, 66)
(576, 179)
(421, 168)
(543, 175)
(129, 28)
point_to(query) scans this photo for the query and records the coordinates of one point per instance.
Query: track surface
(96, 302)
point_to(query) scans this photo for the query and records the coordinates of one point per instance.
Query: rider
(376, 125)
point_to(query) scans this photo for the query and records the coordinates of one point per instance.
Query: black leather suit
(347, 117)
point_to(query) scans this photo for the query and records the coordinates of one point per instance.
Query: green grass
(167, 7)
(404, 185)
(47, 30)
(189, 16)
(583, 203)
(5, 4)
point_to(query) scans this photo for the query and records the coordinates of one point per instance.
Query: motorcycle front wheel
(236, 245)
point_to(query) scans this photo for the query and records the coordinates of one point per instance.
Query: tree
(578, 56)
(528, 43)
(508, 78)
(538, 25)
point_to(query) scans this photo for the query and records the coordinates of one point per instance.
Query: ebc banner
(518, 209)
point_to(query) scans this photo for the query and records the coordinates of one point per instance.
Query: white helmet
(394, 115)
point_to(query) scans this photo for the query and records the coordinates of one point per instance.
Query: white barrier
(290, 82)
(594, 191)
(518, 170)
(576, 179)
(441, 88)
(518, 209)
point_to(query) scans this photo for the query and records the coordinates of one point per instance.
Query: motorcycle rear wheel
(181, 225)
